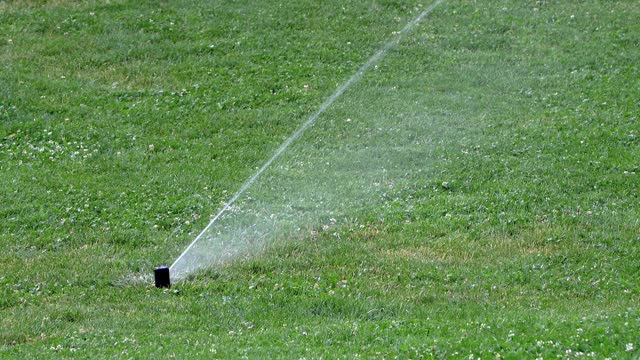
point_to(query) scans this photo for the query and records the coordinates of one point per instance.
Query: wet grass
(125, 125)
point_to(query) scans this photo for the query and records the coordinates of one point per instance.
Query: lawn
(480, 182)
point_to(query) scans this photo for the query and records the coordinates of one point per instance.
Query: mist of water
(349, 156)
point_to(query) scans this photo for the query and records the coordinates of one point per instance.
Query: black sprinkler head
(162, 277)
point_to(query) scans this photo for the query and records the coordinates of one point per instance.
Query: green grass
(520, 238)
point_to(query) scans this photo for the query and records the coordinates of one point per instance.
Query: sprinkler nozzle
(162, 277)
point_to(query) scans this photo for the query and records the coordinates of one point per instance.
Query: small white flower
(629, 347)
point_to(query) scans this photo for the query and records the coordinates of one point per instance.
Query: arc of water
(375, 58)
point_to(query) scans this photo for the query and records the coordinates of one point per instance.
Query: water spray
(162, 274)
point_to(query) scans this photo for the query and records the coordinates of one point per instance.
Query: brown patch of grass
(458, 248)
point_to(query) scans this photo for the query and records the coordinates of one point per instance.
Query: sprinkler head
(162, 277)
